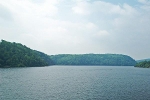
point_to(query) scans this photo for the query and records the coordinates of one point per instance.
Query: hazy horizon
(78, 26)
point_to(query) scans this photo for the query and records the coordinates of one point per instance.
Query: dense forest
(18, 55)
(93, 59)
(143, 64)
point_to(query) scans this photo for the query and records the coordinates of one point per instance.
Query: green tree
(18, 55)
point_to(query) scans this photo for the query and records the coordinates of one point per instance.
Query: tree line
(18, 55)
(93, 59)
(143, 64)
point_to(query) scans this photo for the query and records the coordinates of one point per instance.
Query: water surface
(75, 83)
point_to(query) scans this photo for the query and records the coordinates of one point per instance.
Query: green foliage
(144, 64)
(18, 55)
(93, 59)
(142, 60)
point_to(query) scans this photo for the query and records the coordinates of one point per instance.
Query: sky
(78, 26)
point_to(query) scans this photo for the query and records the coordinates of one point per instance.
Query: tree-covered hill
(93, 59)
(148, 59)
(143, 64)
(18, 55)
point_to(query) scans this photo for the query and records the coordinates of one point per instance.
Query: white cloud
(146, 5)
(88, 26)
(102, 33)
(27, 8)
(146, 2)
(82, 8)
(103, 8)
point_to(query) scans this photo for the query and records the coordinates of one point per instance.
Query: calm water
(75, 83)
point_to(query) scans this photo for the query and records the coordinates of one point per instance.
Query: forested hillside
(142, 60)
(18, 55)
(143, 64)
(93, 59)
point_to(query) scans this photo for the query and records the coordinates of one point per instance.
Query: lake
(75, 83)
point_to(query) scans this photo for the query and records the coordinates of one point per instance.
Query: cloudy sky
(78, 26)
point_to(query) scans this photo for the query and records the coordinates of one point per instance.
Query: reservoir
(75, 83)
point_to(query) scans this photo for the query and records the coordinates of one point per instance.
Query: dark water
(75, 83)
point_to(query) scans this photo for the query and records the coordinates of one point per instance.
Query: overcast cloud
(78, 26)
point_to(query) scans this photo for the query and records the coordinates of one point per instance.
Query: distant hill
(18, 55)
(93, 59)
(143, 64)
(148, 59)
